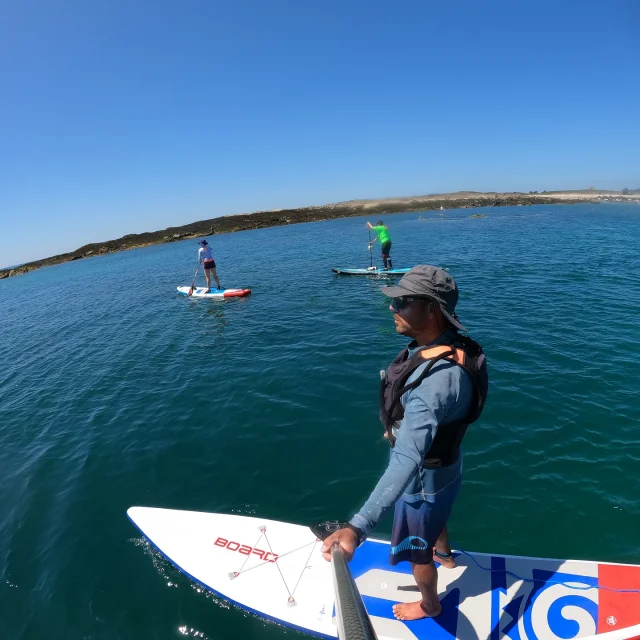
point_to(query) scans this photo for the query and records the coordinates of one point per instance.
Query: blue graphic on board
(516, 610)
(546, 602)
(375, 556)
(548, 610)
(443, 627)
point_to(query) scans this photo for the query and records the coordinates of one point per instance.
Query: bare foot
(447, 563)
(414, 611)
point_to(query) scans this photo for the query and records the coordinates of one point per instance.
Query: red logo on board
(245, 549)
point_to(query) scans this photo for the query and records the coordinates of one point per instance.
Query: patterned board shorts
(417, 526)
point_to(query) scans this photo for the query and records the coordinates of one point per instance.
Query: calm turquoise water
(116, 391)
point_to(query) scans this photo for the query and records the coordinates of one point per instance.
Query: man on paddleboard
(205, 255)
(429, 395)
(385, 240)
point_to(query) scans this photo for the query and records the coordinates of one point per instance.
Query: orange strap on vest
(458, 355)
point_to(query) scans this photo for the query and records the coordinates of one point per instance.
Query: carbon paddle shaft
(353, 619)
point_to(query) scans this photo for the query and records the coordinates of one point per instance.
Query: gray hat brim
(398, 291)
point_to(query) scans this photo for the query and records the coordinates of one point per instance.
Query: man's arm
(417, 431)
(426, 408)
(401, 469)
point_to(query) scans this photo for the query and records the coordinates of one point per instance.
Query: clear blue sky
(126, 116)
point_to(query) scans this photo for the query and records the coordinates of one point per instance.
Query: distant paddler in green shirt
(385, 240)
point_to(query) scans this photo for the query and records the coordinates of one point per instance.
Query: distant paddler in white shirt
(206, 257)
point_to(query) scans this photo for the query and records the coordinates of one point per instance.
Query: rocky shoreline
(262, 219)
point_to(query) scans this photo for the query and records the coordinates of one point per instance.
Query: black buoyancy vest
(465, 353)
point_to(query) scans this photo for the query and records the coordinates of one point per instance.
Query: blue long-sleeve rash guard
(444, 396)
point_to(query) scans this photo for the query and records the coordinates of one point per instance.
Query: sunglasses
(403, 302)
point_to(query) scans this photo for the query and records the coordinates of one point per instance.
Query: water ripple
(117, 391)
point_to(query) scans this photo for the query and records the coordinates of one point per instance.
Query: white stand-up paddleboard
(276, 571)
(370, 272)
(215, 294)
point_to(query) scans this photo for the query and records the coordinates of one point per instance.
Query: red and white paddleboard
(275, 570)
(215, 294)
